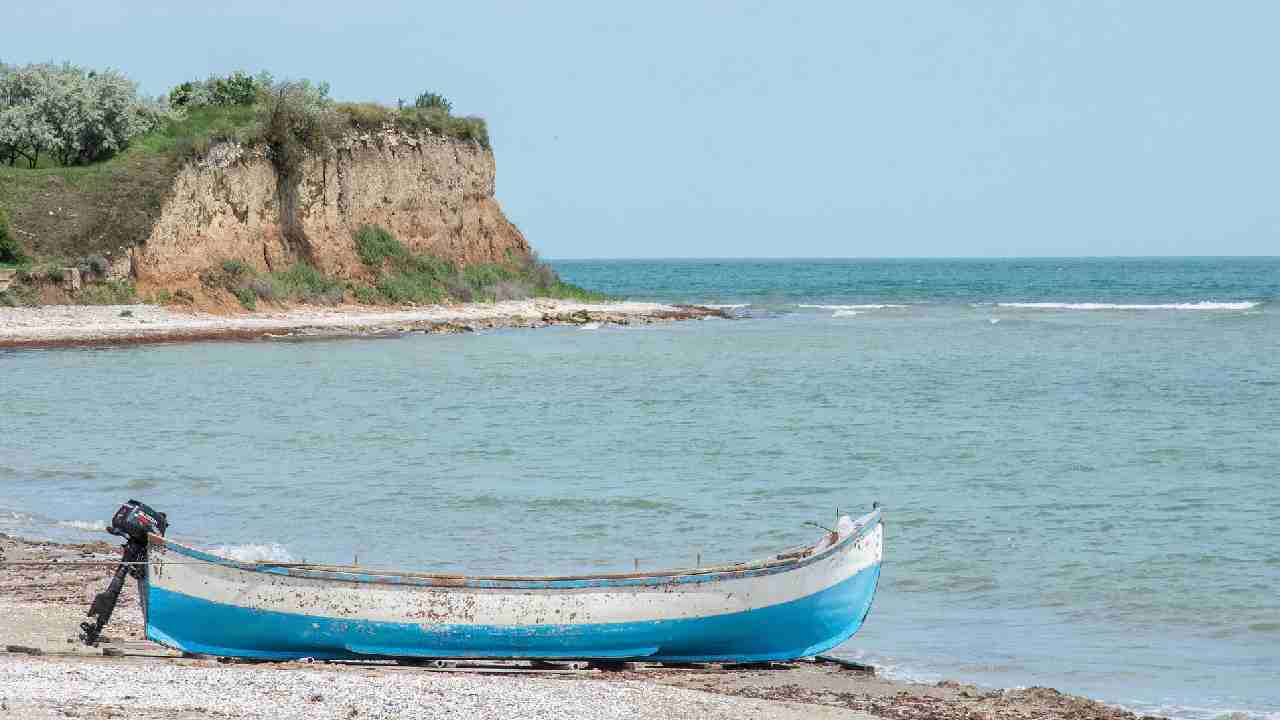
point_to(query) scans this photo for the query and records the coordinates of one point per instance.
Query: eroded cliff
(434, 194)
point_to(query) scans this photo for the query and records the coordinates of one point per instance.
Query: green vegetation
(10, 251)
(300, 283)
(19, 296)
(433, 101)
(97, 160)
(374, 246)
(110, 292)
(74, 114)
(74, 190)
(403, 276)
(106, 196)
(415, 120)
(238, 88)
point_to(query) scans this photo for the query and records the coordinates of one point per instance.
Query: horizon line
(636, 258)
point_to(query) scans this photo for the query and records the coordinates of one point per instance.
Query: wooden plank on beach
(846, 664)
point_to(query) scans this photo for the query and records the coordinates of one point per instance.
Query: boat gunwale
(363, 575)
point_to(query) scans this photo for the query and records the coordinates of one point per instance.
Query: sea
(1078, 459)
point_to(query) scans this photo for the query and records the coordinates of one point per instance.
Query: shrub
(112, 292)
(301, 283)
(375, 246)
(263, 288)
(458, 289)
(364, 294)
(367, 116)
(406, 276)
(238, 88)
(511, 290)
(433, 101)
(55, 275)
(410, 288)
(483, 275)
(307, 284)
(97, 265)
(297, 118)
(236, 268)
(10, 251)
(428, 266)
(438, 121)
(248, 299)
(541, 274)
(228, 274)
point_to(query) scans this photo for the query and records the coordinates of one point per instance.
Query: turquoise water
(1080, 498)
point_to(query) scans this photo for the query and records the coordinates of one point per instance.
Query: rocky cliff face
(434, 194)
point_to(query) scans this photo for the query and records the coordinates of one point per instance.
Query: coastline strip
(105, 325)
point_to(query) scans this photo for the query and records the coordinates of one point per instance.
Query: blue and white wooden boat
(795, 604)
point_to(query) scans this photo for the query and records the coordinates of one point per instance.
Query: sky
(842, 129)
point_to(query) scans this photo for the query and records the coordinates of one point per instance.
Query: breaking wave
(252, 552)
(1131, 306)
(86, 525)
(866, 306)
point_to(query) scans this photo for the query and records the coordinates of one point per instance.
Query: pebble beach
(53, 325)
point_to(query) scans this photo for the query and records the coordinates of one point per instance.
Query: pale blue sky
(788, 129)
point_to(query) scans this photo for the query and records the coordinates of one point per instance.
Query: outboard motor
(133, 522)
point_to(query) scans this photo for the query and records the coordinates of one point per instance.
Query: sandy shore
(42, 605)
(53, 325)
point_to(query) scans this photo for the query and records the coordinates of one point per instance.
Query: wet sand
(42, 605)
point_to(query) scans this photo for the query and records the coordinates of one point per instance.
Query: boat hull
(203, 604)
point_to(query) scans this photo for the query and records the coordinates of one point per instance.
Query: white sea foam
(845, 313)
(1197, 712)
(993, 321)
(27, 521)
(89, 525)
(867, 306)
(252, 552)
(1134, 306)
(590, 326)
(728, 306)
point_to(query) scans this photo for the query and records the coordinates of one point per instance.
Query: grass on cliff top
(62, 215)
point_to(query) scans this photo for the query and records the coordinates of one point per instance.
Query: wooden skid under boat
(792, 605)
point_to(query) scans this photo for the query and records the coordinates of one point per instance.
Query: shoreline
(41, 606)
(95, 325)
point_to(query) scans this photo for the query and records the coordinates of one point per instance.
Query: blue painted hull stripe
(799, 628)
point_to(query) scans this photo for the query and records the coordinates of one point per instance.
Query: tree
(238, 88)
(433, 101)
(75, 114)
(297, 117)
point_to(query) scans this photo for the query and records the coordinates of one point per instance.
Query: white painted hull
(773, 609)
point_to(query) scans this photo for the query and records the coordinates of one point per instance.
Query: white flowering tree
(74, 114)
